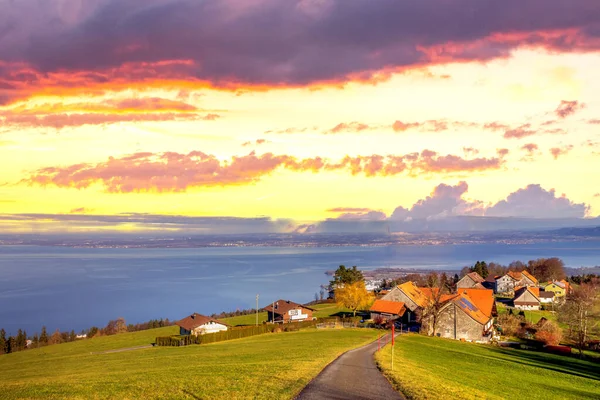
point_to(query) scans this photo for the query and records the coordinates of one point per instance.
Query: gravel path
(352, 376)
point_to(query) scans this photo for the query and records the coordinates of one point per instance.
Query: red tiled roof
(283, 306)
(414, 293)
(516, 275)
(533, 290)
(469, 306)
(389, 307)
(482, 298)
(195, 320)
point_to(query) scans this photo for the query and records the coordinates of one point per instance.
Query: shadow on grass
(562, 364)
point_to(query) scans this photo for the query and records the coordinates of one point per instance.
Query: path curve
(352, 376)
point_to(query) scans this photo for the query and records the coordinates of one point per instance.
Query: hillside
(274, 366)
(323, 310)
(433, 368)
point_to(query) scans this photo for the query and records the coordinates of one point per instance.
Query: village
(465, 310)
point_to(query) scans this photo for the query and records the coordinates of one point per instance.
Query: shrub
(549, 333)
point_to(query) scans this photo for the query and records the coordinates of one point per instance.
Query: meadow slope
(274, 366)
(434, 368)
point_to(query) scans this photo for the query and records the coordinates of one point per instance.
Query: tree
(72, 336)
(92, 332)
(322, 293)
(346, 276)
(35, 341)
(116, 326)
(481, 268)
(2, 341)
(316, 296)
(354, 296)
(431, 313)
(547, 269)
(580, 313)
(43, 337)
(56, 338)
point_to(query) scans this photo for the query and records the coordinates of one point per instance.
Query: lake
(75, 288)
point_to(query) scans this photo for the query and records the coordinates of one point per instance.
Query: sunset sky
(298, 110)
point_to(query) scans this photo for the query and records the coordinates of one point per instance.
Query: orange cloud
(566, 108)
(176, 172)
(558, 151)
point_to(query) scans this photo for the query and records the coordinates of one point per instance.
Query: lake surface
(75, 288)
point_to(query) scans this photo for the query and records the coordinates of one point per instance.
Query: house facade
(283, 311)
(527, 298)
(559, 288)
(471, 280)
(412, 297)
(198, 324)
(461, 318)
(546, 297)
(507, 283)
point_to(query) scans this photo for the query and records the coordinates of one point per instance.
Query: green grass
(249, 319)
(273, 366)
(322, 311)
(532, 316)
(434, 368)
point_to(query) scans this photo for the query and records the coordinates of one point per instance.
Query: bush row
(234, 333)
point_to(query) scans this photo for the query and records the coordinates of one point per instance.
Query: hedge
(233, 333)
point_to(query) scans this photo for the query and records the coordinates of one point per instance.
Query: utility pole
(256, 310)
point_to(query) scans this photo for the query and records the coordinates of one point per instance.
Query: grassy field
(323, 311)
(532, 316)
(433, 368)
(274, 366)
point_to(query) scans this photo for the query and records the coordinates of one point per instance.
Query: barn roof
(469, 306)
(283, 306)
(482, 298)
(195, 320)
(475, 276)
(389, 307)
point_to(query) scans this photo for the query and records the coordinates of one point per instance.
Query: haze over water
(75, 288)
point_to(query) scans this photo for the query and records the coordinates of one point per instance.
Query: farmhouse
(527, 298)
(413, 297)
(288, 311)
(387, 310)
(466, 317)
(197, 324)
(507, 283)
(559, 288)
(471, 280)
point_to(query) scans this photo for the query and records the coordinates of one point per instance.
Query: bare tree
(581, 313)
(436, 291)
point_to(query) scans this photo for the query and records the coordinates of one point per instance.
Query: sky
(293, 112)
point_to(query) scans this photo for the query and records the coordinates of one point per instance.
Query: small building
(471, 280)
(197, 324)
(546, 297)
(283, 311)
(387, 310)
(527, 298)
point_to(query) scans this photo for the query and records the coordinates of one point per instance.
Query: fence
(233, 333)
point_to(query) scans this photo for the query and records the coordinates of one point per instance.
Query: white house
(197, 324)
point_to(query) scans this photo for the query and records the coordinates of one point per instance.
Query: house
(413, 297)
(387, 310)
(507, 283)
(527, 298)
(559, 288)
(483, 299)
(197, 324)
(288, 311)
(546, 296)
(471, 280)
(465, 318)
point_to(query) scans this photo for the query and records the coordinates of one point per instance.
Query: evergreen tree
(43, 337)
(11, 345)
(72, 336)
(2, 341)
(35, 341)
(346, 276)
(24, 339)
(19, 341)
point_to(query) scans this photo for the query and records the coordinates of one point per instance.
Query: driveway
(352, 376)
